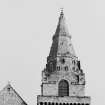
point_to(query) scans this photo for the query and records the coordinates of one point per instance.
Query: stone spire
(62, 27)
(62, 45)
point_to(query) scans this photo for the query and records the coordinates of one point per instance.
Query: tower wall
(49, 89)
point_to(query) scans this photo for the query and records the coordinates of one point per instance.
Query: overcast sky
(26, 30)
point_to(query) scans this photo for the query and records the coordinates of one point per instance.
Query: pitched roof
(8, 96)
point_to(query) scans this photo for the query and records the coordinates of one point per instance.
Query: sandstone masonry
(63, 80)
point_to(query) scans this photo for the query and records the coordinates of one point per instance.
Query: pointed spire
(62, 44)
(62, 27)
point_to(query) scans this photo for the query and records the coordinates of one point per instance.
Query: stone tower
(63, 80)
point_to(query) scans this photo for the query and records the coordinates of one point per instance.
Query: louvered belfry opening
(63, 88)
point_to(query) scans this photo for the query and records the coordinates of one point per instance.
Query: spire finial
(62, 11)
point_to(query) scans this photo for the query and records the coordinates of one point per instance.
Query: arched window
(56, 104)
(49, 103)
(53, 103)
(45, 103)
(41, 103)
(63, 88)
(58, 68)
(87, 104)
(66, 68)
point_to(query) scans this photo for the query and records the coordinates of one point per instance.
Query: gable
(8, 96)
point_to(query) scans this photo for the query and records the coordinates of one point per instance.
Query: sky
(26, 30)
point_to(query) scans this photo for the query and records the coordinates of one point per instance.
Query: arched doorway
(63, 88)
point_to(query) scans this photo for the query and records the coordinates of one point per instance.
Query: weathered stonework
(63, 80)
(8, 96)
(57, 99)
